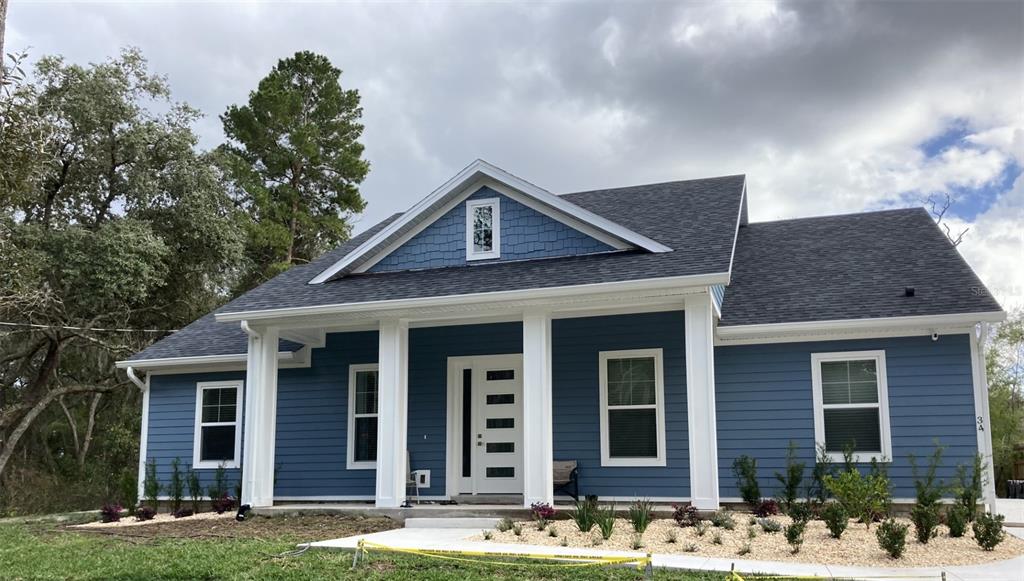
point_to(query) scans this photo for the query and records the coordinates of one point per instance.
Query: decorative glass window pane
(501, 398)
(366, 439)
(632, 433)
(500, 423)
(501, 472)
(501, 375)
(857, 426)
(217, 443)
(501, 447)
(482, 229)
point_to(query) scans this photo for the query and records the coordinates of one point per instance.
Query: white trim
(471, 206)
(701, 415)
(199, 424)
(471, 173)
(659, 405)
(537, 409)
(144, 440)
(392, 412)
(845, 336)
(883, 455)
(834, 325)
(668, 282)
(353, 369)
(236, 361)
(983, 417)
(736, 232)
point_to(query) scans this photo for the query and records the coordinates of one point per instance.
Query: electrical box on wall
(422, 478)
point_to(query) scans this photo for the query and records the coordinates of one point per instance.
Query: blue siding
(763, 399)
(577, 433)
(172, 417)
(525, 233)
(718, 294)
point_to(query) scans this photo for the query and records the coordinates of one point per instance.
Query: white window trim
(350, 462)
(659, 394)
(495, 251)
(883, 455)
(199, 424)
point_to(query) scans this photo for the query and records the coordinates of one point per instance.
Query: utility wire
(70, 328)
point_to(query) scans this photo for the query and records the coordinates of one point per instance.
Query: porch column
(392, 412)
(260, 418)
(700, 402)
(538, 441)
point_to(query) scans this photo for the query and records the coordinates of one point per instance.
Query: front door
(497, 435)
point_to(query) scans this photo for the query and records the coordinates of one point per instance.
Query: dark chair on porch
(566, 477)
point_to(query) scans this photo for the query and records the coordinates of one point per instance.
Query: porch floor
(426, 510)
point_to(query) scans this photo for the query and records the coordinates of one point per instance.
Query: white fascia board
(236, 358)
(736, 232)
(837, 325)
(469, 174)
(670, 282)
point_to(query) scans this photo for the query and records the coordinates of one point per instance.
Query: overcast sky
(827, 107)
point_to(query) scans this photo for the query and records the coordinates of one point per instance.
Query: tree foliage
(1005, 370)
(295, 161)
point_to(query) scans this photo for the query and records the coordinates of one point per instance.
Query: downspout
(130, 371)
(989, 485)
(143, 429)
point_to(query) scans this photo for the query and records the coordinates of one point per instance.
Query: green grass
(48, 552)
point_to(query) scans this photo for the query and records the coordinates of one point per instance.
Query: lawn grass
(48, 551)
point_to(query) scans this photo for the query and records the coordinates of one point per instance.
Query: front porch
(531, 370)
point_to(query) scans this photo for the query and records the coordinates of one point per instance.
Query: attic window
(483, 234)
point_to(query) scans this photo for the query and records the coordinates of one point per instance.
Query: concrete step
(451, 523)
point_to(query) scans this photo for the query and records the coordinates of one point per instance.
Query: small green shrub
(926, 514)
(176, 485)
(968, 488)
(863, 497)
(488, 535)
(671, 537)
(517, 530)
(702, 527)
(690, 548)
(504, 525)
(791, 479)
(218, 490)
(745, 469)
(716, 538)
(800, 512)
(822, 466)
(723, 519)
(605, 519)
(988, 530)
(151, 486)
(129, 491)
(585, 514)
(926, 522)
(892, 537)
(769, 525)
(636, 541)
(957, 520)
(751, 533)
(195, 489)
(641, 513)
(552, 532)
(836, 519)
(744, 549)
(795, 535)
(565, 542)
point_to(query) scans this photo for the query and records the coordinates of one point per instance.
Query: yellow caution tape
(452, 555)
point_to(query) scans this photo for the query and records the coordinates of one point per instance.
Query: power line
(70, 328)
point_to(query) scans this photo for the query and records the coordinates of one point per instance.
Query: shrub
(968, 489)
(145, 513)
(767, 507)
(723, 519)
(488, 535)
(751, 533)
(795, 535)
(565, 542)
(791, 479)
(836, 519)
(716, 538)
(892, 537)
(925, 514)
(926, 522)
(988, 530)
(111, 512)
(584, 515)
(745, 469)
(183, 512)
(176, 485)
(769, 525)
(636, 541)
(129, 491)
(863, 497)
(517, 530)
(702, 527)
(671, 537)
(744, 549)
(957, 520)
(219, 488)
(504, 525)
(542, 510)
(605, 519)
(690, 548)
(686, 516)
(151, 486)
(641, 513)
(195, 489)
(817, 490)
(222, 504)
(552, 532)
(800, 512)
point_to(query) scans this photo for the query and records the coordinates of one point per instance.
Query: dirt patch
(294, 528)
(858, 545)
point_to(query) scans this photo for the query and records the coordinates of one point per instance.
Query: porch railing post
(392, 416)
(538, 441)
(260, 418)
(700, 402)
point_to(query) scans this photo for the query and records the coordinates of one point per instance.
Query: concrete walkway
(1012, 509)
(428, 537)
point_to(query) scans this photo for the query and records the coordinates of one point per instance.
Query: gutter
(130, 372)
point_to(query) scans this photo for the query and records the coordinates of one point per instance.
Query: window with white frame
(632, 408)
(362, 416)
(851, 404)
(218, 435)
(483, 233)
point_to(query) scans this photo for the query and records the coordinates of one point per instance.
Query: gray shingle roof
(854, 266)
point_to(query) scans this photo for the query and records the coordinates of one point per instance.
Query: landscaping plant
(817, 490)
(795, 535)
(145, 513)
(723, 519)
(195, 489)
(151, 486)
(957, 520)
(183, 512)
(542, 512)
(111, 512)
(129, 491)
(892, 537)
(702, 527)
(836, 519)
(517, 530)
(716, 538)
(222, 504)
(968, 489)
(690, 548)
(641, 513)
(791, 479)
(744, 549)
(769, 525)
(801, 512)
(745, 469)
(671, 537)
(176, 485)
(605, 519)
(988, 530)
(686, 516)
(767, 507)
(504, 525)
(863, 497)
(584, 514)
(926, 514)
(636, 541)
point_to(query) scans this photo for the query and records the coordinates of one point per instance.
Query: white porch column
(700, 402)
(392, 412)
(538, 441)
(260, 418)
(979, 337)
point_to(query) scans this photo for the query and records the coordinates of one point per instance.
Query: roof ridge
(647, 185)
(913, 209)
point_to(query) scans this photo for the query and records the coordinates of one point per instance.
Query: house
(651, 334)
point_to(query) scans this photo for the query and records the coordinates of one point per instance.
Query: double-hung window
(483, 232)
(218, 436)
(362, 416)
(851, 404)
(632, 408)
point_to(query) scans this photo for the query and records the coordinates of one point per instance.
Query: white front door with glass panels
(492, 394)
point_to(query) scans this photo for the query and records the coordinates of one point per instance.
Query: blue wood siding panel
(172, 421)
(576, 344)
(525, 233)
(763, 396)
(718, 294)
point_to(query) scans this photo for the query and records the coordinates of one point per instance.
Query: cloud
(824, 105)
